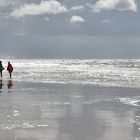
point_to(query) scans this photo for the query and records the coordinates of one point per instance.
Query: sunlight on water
(120, 73)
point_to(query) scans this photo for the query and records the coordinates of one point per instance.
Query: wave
(102, 72)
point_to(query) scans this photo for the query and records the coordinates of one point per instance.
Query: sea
(70, 99)
(100, 72)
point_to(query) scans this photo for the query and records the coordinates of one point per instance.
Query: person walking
(1, 68)
(10, 69)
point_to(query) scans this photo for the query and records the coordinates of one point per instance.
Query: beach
(36, 111)
(68, 99)
(69, 70)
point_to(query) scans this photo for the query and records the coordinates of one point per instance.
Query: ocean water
(101, 72)
(71, 99)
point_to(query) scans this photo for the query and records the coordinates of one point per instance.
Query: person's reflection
(9, 84)
(1, 84)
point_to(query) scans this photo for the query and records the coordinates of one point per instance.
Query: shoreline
(18, 85)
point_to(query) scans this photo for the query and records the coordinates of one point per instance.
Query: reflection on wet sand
(66, 114)
(136, 123)
(9, 84)
(1, 84)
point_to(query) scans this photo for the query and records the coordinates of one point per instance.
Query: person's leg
(1, 73)
(10, 74)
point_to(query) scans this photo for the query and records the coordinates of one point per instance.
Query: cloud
(106, 21)
(75, 19)
(7, 2)
(46, 18)
(77, 8)
(120, 5)
(45, 7)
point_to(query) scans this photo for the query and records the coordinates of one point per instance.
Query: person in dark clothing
(1, 68)
(10, 69)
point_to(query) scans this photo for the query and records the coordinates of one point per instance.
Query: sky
(70, 29)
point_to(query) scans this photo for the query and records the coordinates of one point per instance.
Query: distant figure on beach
(10, 69)
(1, 68)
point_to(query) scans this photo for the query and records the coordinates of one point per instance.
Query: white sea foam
(113, 72)
(135, 101)
(16, 113)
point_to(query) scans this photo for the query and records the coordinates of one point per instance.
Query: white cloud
(21, 34)
(77, 8)
(46, 18)
(45, 7)
(6, 2)
(120, 5)
(106, 21)
(75, 19)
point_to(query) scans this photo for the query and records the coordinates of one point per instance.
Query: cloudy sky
(70, 28)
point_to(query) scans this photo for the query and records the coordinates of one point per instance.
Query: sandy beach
(37, 111)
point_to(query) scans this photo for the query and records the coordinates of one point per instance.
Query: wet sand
(35, 111)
